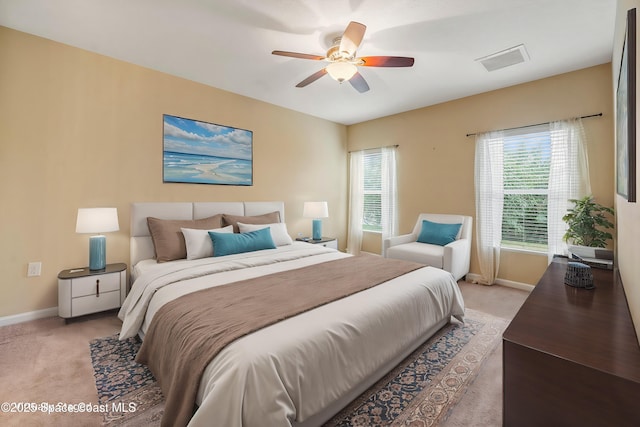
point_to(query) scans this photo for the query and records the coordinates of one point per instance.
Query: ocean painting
(206, 153)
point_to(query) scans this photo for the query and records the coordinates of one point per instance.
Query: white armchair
(453, 257)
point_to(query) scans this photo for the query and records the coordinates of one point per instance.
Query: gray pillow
(168, 240)
(268, 218)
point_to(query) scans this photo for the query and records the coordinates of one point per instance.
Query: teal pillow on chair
(438, 234)
(236, 243)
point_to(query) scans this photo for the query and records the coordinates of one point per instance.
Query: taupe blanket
(187, 333)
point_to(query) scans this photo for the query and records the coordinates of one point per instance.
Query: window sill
(524, 250)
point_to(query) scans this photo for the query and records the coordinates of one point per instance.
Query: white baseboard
(31, 315)
(370, 253)
(508, 283)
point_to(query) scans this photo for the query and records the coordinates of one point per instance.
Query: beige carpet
(46, 361)
(481, 404)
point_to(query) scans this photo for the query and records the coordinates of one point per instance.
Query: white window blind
(372, 191)
(526, 164)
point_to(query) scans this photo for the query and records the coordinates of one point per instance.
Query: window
(524, 179)
(526, 164)
(372, 195)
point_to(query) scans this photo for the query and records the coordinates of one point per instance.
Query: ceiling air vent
(504, 58)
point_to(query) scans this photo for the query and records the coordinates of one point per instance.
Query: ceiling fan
(343, 62)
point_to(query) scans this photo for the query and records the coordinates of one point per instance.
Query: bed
(302, 370)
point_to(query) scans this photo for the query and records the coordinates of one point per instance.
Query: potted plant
(588, 223)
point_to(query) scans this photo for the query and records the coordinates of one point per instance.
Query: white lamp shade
(97, 220)
(341, 71)
(315, 210)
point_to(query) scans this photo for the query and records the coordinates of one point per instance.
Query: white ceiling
(227, 44)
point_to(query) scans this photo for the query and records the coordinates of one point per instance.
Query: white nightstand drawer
(327, 242)
(333, 244)
(90, 285)
(93, 303)
(82, 291)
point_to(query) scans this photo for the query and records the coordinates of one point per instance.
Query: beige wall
(628, 214)
(436, 159)
(82, 130)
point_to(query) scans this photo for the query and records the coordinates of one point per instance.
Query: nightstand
(329, 242)
(82, 291)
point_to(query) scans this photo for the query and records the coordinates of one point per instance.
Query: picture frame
(198, 152)
(626, 114)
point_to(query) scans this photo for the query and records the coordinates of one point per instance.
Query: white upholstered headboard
(140, 242)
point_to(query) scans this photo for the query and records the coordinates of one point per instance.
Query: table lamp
(316, 210)
(95, 221)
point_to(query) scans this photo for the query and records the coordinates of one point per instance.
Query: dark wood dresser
(571, 356)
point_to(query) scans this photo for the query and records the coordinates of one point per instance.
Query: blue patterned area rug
(127, 388)
(420, 391)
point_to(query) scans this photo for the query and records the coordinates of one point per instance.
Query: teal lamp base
(317, 229)
(97, 252)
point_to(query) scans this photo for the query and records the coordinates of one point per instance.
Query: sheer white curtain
(386, 183)
(356, 202)
(489, 203)
(389, 199)
(568, 178)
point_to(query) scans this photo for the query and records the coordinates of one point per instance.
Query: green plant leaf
(587, 223)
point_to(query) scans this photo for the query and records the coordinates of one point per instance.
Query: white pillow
(278, 230)
(198, 242)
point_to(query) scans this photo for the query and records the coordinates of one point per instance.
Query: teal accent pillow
(438, 234)
(236, 243)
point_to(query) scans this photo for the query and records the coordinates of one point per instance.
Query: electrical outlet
(34, 269)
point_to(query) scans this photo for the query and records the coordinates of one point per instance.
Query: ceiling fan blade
(312, 78)
(352, 37)
(359, 83)
(298, 55)
(387, 61)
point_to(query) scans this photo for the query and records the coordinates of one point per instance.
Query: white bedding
(290, 372)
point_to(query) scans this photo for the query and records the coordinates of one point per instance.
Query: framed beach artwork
(206, 153)
(626, 115)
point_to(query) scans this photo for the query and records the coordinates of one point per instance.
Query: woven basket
(579, 275)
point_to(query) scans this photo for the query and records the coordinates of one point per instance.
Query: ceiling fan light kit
(341, 71)
(343, 64)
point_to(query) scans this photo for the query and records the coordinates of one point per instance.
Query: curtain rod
(538, 124)
(376, 148)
